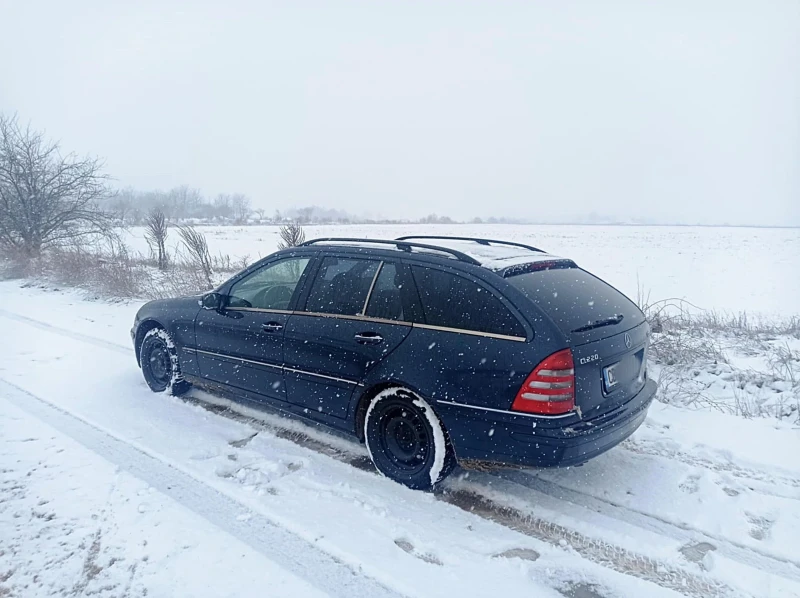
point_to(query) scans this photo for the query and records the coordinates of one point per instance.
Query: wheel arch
(143, 328)
(372, 391)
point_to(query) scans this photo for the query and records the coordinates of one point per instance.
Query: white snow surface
(108, 489)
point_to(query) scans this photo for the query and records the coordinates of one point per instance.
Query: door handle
(272, 327)
(369, 338)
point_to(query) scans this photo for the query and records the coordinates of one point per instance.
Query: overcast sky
(679, 110)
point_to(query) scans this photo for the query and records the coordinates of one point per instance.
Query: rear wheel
(406, 440)
(159, 362)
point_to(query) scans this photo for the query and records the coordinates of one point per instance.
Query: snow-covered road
(142, 493)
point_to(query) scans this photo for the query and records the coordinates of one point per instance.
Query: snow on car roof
(494, 257)
(491, 255)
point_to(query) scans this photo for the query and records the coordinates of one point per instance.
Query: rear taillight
(550, 389)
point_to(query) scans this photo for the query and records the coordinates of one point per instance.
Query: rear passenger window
(451, 301)
(386, 301)
(341, 286)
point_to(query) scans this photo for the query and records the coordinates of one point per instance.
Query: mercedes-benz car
(433, 351)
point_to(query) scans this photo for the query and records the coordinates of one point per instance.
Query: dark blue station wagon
(432, 350)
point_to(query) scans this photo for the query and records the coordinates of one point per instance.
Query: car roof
(497, 256)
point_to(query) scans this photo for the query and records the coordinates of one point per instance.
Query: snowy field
(756, 270)
(108, 490)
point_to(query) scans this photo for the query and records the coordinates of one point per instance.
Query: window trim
(504, 337)
(363, 311)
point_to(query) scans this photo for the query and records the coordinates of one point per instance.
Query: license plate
(610, 379)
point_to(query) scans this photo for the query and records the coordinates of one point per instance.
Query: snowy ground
(107, 489)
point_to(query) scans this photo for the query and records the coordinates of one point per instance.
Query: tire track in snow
(279, 545)
(765, 482)
(749, 555)
(603, 553)
(97, 342)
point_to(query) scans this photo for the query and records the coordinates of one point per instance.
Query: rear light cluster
(550, 389)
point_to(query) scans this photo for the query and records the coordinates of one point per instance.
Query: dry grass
(690, 348)
(113, 271)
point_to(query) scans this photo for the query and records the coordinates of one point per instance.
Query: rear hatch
(607, 332)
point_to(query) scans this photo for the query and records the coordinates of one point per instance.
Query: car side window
(452, 301)
(341, 286)
(270, 287)
(386, 301)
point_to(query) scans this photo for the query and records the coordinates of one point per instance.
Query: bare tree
(305, 215)
(292, 235)
(47, 199)
(183, 201)
(156, 230)
(199, 256)
(240, 204)
(223, 205)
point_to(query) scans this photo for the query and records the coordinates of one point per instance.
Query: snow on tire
(406, 439)
(159, 362)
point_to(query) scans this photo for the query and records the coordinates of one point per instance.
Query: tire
(159, 362)
(406, 440)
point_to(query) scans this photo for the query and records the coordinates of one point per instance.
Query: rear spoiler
(538, 266)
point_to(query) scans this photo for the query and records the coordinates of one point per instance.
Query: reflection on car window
(270, 287)
(386, 302)
(341, 286)
(452, 301)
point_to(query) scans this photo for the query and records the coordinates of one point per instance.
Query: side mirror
(211, 301)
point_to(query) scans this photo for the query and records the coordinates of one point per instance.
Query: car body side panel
(233, 348)
(325, 363)
(177, 317)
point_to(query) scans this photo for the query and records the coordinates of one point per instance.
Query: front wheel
(406, 440)
(159, 362)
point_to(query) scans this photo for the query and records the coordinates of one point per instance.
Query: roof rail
(400, 244)
(474, 240)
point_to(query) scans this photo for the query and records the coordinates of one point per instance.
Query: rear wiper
(599, 323)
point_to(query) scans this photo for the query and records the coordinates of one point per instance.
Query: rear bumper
(508, 438)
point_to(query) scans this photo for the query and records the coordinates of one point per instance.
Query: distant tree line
(132, 208)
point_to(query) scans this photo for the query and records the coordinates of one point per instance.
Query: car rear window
(574, 298)
(452, 301)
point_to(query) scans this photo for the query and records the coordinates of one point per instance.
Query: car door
(241, 344)
(355, 314)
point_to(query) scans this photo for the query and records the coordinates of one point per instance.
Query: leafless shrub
(223, 262)
(242, 263)
(785, 363)
(198, 256)
(678, 337)
(156, 231)
(291, 235)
